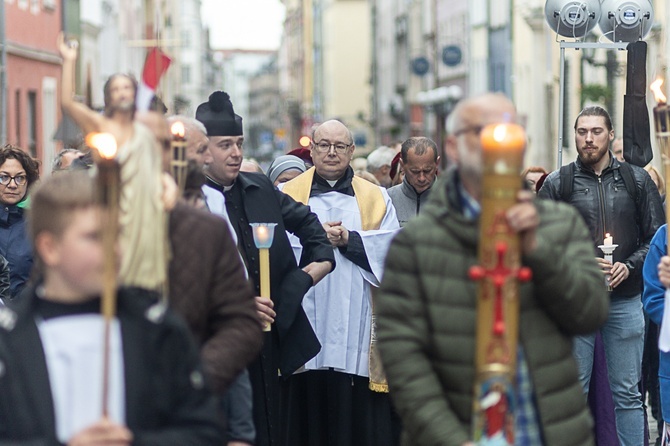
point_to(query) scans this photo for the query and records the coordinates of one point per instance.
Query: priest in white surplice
(341, 398)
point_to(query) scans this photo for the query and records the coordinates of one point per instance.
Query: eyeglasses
(476, 129)
(20, 180)
(324, 147)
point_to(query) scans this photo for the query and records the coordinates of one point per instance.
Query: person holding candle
(621, 200)
(242, 198)
(427, 304)
(51, 344)
(208, 287)
(346, 374)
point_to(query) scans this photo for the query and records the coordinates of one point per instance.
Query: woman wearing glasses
(18, 171)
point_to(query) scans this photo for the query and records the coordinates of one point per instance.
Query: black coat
(165, 404)
(292, 341)
(263, 203)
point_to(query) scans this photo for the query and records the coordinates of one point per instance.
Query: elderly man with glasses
(341, 396)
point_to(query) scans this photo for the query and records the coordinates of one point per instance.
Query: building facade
(32, 74)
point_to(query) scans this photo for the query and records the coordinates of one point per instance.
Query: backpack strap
(626, 172)
(566, 175)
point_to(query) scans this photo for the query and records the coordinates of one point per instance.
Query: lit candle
(263, 238)
(661, 111)
(178, 163)
(109, 184)
(502, 149)
(608, 240)
(503, 137)
(608, 248)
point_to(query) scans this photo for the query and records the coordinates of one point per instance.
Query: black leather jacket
(607, 207)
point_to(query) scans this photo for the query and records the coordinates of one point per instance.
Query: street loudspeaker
(571, 18)
(626, 20)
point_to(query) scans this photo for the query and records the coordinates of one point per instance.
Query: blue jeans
(623, 337)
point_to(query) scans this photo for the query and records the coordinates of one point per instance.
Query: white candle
(608, 240)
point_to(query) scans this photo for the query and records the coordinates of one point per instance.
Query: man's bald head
(465, 124)
(332, 149)
(197, 142)
(332, 125)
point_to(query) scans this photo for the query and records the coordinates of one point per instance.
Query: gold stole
(372, 208)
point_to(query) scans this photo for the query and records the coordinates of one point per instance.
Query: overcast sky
(247, 24)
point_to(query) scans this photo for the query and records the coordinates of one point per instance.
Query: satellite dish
(571, 18)
(626, 20)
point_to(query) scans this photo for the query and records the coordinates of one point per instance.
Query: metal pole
(3, 76)
(561, 80)
(561, 98)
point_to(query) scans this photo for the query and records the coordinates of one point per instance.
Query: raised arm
(88, 120)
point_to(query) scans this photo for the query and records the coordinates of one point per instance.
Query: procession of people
(172, 293)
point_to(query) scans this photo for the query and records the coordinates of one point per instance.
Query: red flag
(155, 66)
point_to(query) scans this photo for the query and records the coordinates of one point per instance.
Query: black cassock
(291, 342)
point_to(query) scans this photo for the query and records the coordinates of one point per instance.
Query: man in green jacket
(426, 308)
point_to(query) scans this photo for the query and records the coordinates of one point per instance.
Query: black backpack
(567, 173)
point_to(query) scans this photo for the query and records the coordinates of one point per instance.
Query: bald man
(360, 222)
(427, 305)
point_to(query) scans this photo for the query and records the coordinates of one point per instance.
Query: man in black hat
(243, 198)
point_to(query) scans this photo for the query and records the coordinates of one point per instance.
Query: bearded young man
(621, 200)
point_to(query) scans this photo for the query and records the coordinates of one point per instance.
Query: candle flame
(105, 143)
(656, 88)
(607, 235)
(500, 132)
(177, 129)
(262, 232)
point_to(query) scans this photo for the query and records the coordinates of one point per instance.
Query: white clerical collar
(332, 182)
(227, 188)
